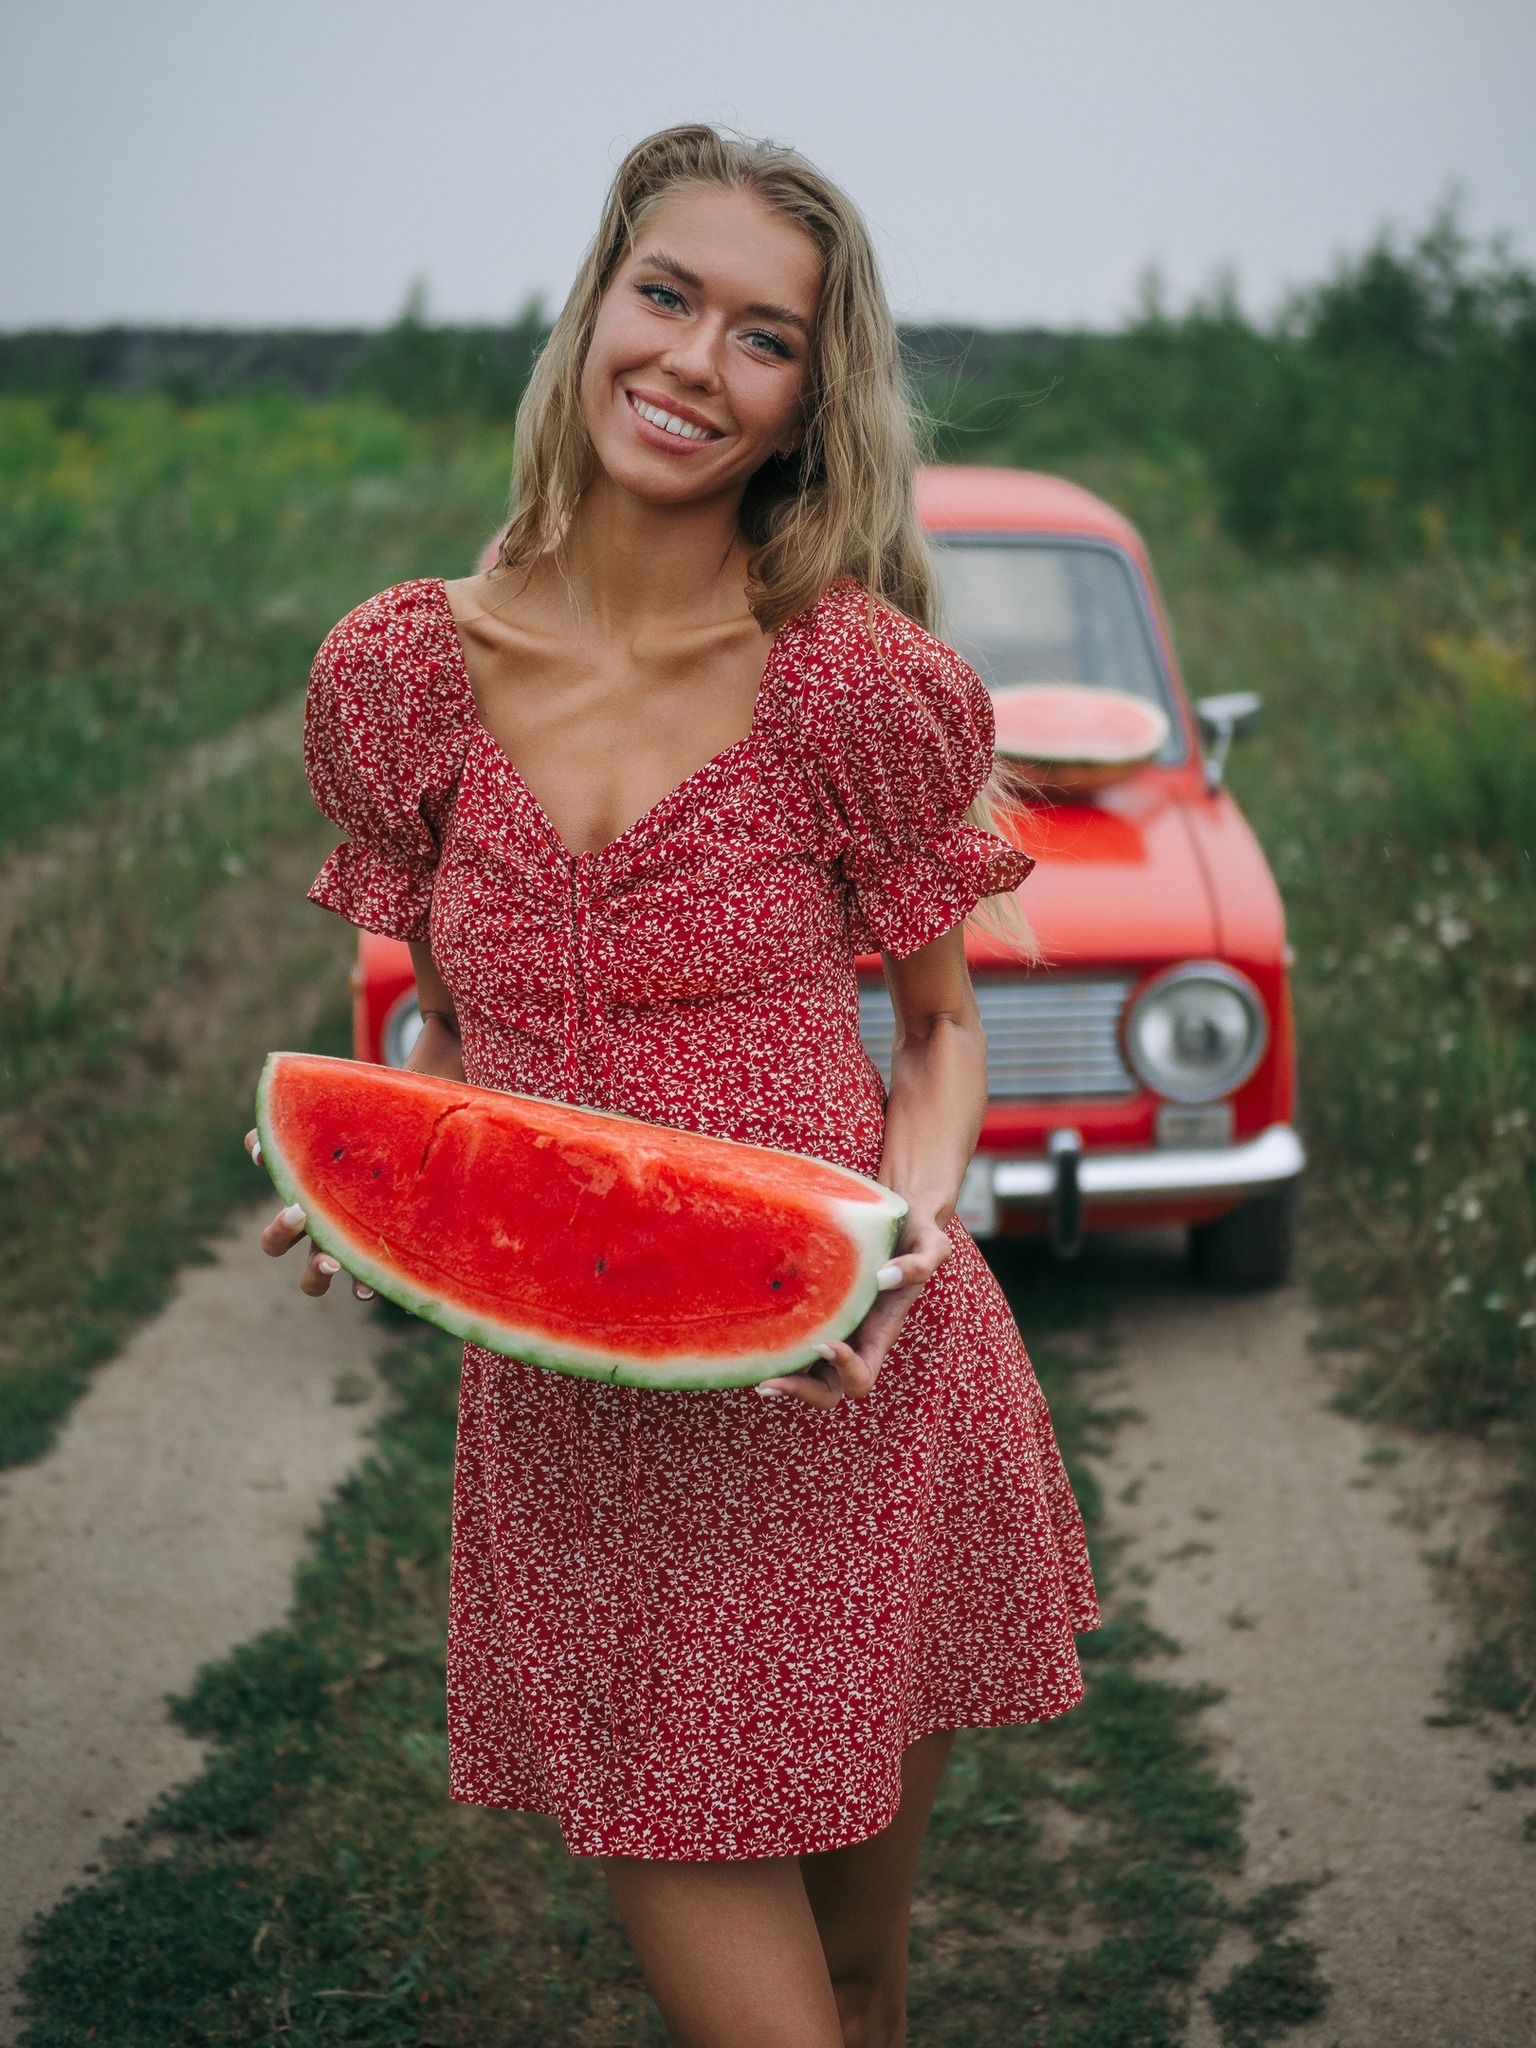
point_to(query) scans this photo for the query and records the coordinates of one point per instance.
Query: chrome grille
(1047, 1039)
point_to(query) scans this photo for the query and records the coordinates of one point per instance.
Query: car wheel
(1252, 1247)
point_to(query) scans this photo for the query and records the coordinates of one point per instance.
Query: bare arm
(436, 1051)
(938, 1097)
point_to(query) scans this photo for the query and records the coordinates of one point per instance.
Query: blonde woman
(637, 796)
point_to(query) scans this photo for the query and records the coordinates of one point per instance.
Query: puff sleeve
(897, 732)
(382, 759)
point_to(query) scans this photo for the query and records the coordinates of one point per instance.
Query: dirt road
(165, 1525)
(1285, 1551)
(161, 1530)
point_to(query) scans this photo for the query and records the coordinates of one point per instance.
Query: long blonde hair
(842, 503)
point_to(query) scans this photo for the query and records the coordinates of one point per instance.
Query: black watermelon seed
(340, 1149)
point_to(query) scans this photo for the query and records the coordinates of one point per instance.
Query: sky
(303, 162)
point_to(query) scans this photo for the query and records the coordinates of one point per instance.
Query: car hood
(1119, 881)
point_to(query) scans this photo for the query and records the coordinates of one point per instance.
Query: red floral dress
(705, 1625)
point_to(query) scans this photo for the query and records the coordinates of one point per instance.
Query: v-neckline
(648, 818)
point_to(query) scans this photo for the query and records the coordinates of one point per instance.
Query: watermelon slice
(1076, 737)
(589, 1243)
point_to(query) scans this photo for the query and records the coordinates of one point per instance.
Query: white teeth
(668, 421)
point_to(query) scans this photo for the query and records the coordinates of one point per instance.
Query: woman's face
(701, 350)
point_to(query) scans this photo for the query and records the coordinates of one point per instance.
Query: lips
(666, 421)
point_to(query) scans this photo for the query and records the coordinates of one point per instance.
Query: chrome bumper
(1274, 1155)
(1069, 1177)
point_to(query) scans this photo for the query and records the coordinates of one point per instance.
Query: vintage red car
(1143, 1072)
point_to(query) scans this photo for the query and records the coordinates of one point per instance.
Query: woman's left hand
(849, 1370)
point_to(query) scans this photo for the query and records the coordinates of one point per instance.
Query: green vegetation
(165, 575)
(167, 570)
(1388, 410)
(1402, 837)
(315, 1880)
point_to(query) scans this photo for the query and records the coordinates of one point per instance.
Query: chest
(600, 728)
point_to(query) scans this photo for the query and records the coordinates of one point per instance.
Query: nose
(694, 357)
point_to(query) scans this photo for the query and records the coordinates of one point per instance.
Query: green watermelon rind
(873, 1228)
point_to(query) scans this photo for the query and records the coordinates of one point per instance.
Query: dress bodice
(698, 970)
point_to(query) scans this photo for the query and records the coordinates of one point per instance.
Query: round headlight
(1197, 1032)
(402, 1028)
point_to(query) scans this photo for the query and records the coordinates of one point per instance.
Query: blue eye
(772, 341)
(661, 295)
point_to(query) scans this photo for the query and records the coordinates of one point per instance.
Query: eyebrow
(658, 259)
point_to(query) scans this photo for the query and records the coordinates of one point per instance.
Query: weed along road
(1281, 1545)
(1278, 1542)
(162, 1529)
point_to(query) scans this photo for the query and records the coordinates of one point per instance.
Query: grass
(316, 1883)
(167, 571)
(165, 574)
(1396, 792)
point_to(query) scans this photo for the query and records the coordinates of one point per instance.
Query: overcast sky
(302, 161)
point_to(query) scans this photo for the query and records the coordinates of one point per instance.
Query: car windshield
(1051, 612)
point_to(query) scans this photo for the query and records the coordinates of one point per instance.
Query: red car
(1143, 1074)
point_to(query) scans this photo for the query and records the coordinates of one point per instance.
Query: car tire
(1250, 1249)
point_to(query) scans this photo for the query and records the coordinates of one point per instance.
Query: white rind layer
(872, 1226)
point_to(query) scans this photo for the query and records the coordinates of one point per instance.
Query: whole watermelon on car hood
(570, 1238)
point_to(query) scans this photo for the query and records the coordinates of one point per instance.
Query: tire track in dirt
(1288, 1564)
(162, 1529)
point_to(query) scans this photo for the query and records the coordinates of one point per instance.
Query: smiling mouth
(669, 423)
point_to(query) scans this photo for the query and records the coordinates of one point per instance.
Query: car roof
(960, 499)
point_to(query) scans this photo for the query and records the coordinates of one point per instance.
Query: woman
(636, 797)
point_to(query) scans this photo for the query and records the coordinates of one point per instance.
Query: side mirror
(1234, 716)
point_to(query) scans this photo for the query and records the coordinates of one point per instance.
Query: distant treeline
(1390, 409)
(426, 371)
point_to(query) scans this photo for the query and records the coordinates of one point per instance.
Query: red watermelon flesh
(589, 1243)
(1077, 725)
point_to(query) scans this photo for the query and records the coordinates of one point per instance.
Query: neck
(630, 562)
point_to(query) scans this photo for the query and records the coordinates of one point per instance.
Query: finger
(818, 1388)
(915, 1266)
(856, 1374)
(361, 1290)
(253, 1146)
(318, 1274)
(284, 1231)
(843, 1375)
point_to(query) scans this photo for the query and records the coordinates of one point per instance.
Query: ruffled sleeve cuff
(382, 892)
(910, 898)
(385, 730)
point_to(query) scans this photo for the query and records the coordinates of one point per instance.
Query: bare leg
(862, 1900)
(730, 1952)
(779, 1953)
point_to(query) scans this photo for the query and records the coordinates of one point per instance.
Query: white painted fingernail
(364, 1293)
(826, 1351)
(328, 1265)
(889, 1277)
(771, 1393)
(256, 1151)
(293, 1217)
